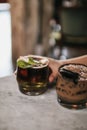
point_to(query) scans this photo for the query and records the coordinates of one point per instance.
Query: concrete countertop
(22, 112)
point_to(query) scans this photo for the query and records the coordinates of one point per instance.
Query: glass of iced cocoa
(72, 86)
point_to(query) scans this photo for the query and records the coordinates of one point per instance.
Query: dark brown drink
(33, 78)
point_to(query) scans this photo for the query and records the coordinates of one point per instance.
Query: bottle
(73, 20)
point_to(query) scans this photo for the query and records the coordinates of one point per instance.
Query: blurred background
(52, 28)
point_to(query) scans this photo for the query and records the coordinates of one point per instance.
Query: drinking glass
(32, 74)
(72, 86)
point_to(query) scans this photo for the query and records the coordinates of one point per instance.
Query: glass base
(75, 106)
(32, 91)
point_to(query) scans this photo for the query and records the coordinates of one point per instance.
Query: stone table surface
(22, 112)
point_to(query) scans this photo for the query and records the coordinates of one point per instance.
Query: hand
(55, 64)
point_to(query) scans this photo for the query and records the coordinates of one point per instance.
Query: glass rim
(35, 56)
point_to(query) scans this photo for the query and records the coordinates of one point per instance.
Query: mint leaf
(28, 63)
(23, 64)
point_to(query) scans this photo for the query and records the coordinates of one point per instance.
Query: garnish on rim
(26, 62)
